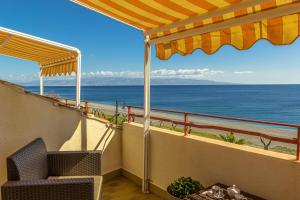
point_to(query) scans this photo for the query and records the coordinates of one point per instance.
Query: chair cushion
(97, 183)
(28, 163)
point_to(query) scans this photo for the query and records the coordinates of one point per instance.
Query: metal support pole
(147, 58)
(298, 144)
(129, 114)
(117, 112)
(78, 80)
(86, 107)
(185, 124)
(41, 82)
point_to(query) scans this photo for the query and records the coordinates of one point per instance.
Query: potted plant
(182, 187)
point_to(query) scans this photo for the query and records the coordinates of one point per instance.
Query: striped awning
(182, 26)
(53, 58)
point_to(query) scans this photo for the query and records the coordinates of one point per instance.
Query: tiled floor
(121, 188)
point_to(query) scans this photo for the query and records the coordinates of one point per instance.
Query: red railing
(187, 125)
(72, 103)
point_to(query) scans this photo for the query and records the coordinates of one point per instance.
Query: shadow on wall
(26, 116)
(95, 137)
(83, 133)
(104, 139)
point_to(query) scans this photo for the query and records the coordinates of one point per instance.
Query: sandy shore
(269, 130)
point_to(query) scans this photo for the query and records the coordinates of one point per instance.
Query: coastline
(268, 130)
(269, 103)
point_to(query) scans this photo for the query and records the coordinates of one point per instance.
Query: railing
(187, 125)
(72, 103)
(117, 118)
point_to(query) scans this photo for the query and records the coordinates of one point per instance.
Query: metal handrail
(222, 117)
(188, 124)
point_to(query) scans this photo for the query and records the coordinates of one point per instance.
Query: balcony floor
(120, 188)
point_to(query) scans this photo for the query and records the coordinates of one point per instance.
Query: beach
(273, 103)
(289, 133)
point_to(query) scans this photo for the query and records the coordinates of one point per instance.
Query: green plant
(182, 187)
(121, 118)
(231, 138)
(282, 149)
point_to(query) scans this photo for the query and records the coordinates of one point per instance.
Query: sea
(277, 103)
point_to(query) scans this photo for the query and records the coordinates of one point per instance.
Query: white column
(78, 80)
(41, 82)
(147, 58)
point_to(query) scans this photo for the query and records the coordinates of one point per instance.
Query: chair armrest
(54, 189)
(74, 163)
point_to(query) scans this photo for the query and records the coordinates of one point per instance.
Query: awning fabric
(53, 58)
(148, 15)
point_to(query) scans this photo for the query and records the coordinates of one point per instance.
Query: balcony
(268, 174)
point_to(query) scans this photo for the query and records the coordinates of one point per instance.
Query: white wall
(24, 117)
(267, 174)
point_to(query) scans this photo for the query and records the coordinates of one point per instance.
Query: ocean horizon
(270, 102)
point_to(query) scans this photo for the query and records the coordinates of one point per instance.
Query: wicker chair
(35, 174)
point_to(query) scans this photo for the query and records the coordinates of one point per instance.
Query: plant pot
(170, 197)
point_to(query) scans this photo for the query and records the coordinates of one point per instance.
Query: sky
(112, 49)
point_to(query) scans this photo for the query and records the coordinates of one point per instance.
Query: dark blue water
(279, 103)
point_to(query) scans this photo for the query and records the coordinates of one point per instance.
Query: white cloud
(34, 77)
(131, 74)
(19, 77)
(191, 73)
(244, 72)
(185, 73)
(160, 73)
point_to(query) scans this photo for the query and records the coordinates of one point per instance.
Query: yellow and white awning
(53, 58)
(182, 26)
